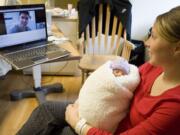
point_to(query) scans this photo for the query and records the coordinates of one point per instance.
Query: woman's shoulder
(147, 68)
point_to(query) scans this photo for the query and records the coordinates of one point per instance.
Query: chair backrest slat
(107, 27)
(93, 31)
(113, 33)
(100, 26)
(120, 29)
(87, 39)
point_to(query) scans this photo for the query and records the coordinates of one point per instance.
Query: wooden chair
(96, 50)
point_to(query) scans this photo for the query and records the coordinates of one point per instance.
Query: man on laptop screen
(28, 22)
(23, 20)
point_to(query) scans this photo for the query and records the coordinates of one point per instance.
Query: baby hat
(121, 64)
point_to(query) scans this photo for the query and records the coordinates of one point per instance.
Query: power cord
(64, 66)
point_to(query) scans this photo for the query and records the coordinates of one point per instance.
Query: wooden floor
(14, 114)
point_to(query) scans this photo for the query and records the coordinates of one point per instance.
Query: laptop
(23, 36)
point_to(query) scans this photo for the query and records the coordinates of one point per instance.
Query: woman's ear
(177, 49)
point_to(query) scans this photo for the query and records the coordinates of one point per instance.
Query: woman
(155, 108)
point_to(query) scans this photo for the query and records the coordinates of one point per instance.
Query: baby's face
(118, 72)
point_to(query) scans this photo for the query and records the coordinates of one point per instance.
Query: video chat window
(23, 21)
(20, 21)
(24, 24)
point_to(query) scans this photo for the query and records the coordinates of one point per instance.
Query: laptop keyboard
(35, 52)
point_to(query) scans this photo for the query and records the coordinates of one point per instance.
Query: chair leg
(83, 74)
(87, 74)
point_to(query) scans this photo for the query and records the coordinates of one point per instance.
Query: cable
(64, 66)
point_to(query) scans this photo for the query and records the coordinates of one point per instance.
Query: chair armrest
(131, 45)
(127, 48)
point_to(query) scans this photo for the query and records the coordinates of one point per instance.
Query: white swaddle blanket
(104, 99)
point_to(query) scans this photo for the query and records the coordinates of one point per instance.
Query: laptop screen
(22, 24)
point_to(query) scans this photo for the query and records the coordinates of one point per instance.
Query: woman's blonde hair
(168, 25)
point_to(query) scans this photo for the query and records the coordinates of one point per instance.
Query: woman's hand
(72, 114)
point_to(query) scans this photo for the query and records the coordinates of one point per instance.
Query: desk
(68, 25)
(38, 90)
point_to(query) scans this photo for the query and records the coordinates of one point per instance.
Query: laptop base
(39, 92)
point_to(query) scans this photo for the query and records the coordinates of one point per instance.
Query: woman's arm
(72, 118)
(164, 121)
(161, 121)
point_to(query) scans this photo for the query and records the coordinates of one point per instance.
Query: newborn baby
(106, 94)
(120, 67)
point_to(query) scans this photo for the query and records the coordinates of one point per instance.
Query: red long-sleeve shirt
(150, 115)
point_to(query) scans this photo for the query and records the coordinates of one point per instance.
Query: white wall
(144, 13)
(2, 2)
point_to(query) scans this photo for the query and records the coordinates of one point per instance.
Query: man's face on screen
(24, 19)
